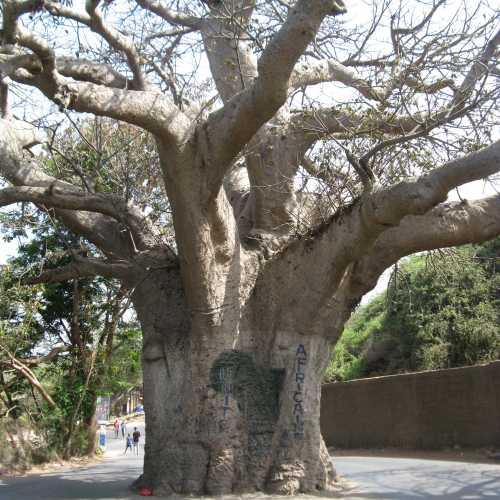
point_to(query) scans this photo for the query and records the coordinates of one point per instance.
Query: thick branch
(416, 196)
(90, 71)
(83, 268)
(230, 128)
(351, 233)
(76, 68)
(447, 225)
(12, 10)
(62, 195)
(320, 123)
(477, 71)
(147, 109)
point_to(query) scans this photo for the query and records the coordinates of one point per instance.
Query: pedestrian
(128, 445)
(123, 426)
(136, 435)
(116, 427)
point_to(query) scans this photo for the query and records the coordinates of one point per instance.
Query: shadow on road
(79, 486)
(374, 479)
(417, 484)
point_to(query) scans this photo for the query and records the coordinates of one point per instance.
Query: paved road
(410, 479)
(108, 480)
(375, 479)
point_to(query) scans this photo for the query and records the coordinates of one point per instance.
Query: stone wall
(429, 410)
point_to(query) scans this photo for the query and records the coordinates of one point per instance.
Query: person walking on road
(136, 436)
(123, 426)
(128, 446)
(116, 427)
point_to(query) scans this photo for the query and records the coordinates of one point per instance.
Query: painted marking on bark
(300, 376)
(225, 379)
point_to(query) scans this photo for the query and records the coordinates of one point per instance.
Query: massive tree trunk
(239, 412)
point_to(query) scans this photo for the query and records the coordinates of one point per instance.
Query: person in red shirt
(116, 427)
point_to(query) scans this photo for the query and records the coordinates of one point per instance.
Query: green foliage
(101, 350)
(346, 363)
(98, 359)
(125, 368)
(441, 311)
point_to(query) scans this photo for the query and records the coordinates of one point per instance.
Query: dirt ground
(73, 463)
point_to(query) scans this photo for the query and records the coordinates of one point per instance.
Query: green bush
(440, 311)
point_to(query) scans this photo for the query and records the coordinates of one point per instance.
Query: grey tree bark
(239, 318)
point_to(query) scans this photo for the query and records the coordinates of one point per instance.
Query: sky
(7, 249)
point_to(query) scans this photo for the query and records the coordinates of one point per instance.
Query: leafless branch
(83, 267)
(169, 15)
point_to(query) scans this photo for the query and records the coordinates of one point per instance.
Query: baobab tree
(287, 202)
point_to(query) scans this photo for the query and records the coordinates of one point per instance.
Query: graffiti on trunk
(225, 382)
(298, 409)
(236, 376)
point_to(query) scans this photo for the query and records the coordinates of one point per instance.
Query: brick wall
(425, 410)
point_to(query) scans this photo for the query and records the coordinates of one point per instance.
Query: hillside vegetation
(441, 310)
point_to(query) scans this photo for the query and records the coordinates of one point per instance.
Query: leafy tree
(74, 325)
(124, 370)
(287, 202)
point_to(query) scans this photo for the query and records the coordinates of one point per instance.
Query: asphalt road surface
(108, 479)
(373, 479)
(409, 479)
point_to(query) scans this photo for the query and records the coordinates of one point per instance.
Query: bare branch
(312, 73)
(78, 69)
(23, 370)
(350, 233)
(405, 128)
(46, 358)
(170, 15)
(449, 224)
(147, 109)
(12, 10)
(61, 195)
(421, 24)
(103, 231)
(94, 20)
(477, 71)
(89, 71)
(420, 195)
(320, 123)
(83, 268)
